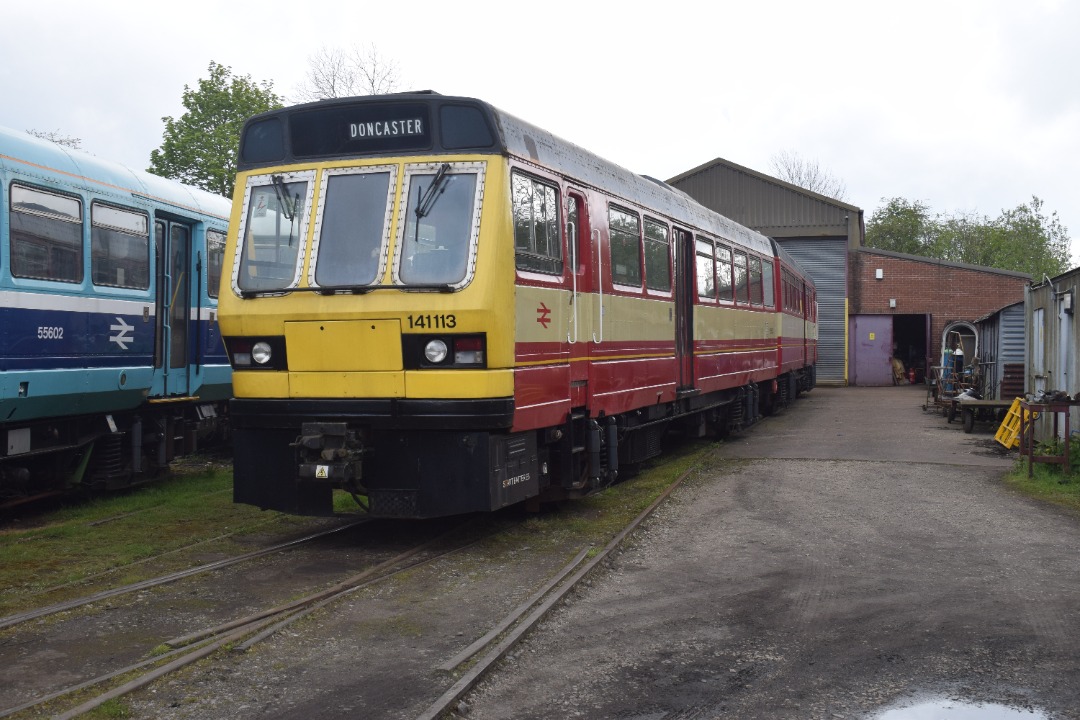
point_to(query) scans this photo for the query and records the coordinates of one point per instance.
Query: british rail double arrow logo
(542, 314)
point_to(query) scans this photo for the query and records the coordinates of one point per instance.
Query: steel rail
(487, 662)
(196, 646)
(18, 618)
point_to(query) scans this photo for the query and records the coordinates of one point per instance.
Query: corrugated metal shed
(817, 230)
(825, 260)
(1052, 360)
(770, 205)
(1002, 345)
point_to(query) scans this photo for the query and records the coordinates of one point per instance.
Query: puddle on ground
(958, 710)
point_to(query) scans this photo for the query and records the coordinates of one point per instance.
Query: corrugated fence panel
(1013, 339)
(826, 262)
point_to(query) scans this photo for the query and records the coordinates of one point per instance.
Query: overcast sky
(966, 106)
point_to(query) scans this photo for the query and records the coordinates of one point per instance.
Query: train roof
(26, 155)
(426, 122)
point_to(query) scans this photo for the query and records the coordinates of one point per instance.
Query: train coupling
(330, 453)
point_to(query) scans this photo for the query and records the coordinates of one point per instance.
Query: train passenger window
(755, 280)
(742, 290)
(215, 259)
(767, 283)
(723, 273)
(537, 246)
(625, 235)
(352, 227)
(657, 256)
(273, 231)
(706, 272)
(119, 247)
(46, 235)
(440, 225)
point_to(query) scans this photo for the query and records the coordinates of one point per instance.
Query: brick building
(913, 307)
(863, 320)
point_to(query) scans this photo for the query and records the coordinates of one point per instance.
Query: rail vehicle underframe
(427, 458)
(104, 451)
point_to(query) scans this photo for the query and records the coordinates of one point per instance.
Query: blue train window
(119, 247)
(46, 235)
(215, 258)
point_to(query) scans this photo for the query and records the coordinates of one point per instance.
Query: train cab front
(369, 327)
(326, 424)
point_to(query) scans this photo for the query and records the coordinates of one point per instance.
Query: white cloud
(966, 105)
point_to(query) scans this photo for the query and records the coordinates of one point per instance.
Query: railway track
(239, 634)
(18, 618)
(220, 643)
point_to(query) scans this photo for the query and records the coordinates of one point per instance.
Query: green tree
(902, 226)
(1023, 239)
(200, 147)
(1031, 241)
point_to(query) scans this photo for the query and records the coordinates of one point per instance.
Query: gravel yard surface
(863, 555)
(852, 553)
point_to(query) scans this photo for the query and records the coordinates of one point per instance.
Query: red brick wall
(926, 286)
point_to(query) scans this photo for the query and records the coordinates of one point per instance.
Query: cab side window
(537, 242)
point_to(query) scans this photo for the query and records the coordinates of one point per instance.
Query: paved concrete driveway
(850, 554)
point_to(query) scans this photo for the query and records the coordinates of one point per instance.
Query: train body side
(83, 363)
(595, 312)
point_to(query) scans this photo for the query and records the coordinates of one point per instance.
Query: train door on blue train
(685, 286)
(172, 243)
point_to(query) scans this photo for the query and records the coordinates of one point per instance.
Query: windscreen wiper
(288, 207)
(425, 203)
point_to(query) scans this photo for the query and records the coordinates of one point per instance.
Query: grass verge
(1047, 483)
(186, 519)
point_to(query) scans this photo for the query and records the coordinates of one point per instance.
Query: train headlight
(435, 351)
(260, 353)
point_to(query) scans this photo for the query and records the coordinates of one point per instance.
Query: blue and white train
(111, 362)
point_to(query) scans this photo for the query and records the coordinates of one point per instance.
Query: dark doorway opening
(910, 334)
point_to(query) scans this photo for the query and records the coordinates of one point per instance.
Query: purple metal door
(871, 344)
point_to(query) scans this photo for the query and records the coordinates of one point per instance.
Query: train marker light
(468, 351)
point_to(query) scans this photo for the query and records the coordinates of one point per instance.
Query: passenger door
(685, 287)
(172, 246)
(582, 268)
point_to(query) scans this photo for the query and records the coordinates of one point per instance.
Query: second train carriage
(444, 309)
(111, 362)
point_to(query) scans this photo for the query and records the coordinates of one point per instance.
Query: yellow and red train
(444, 309)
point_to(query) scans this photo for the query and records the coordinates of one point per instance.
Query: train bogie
(480, 313)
